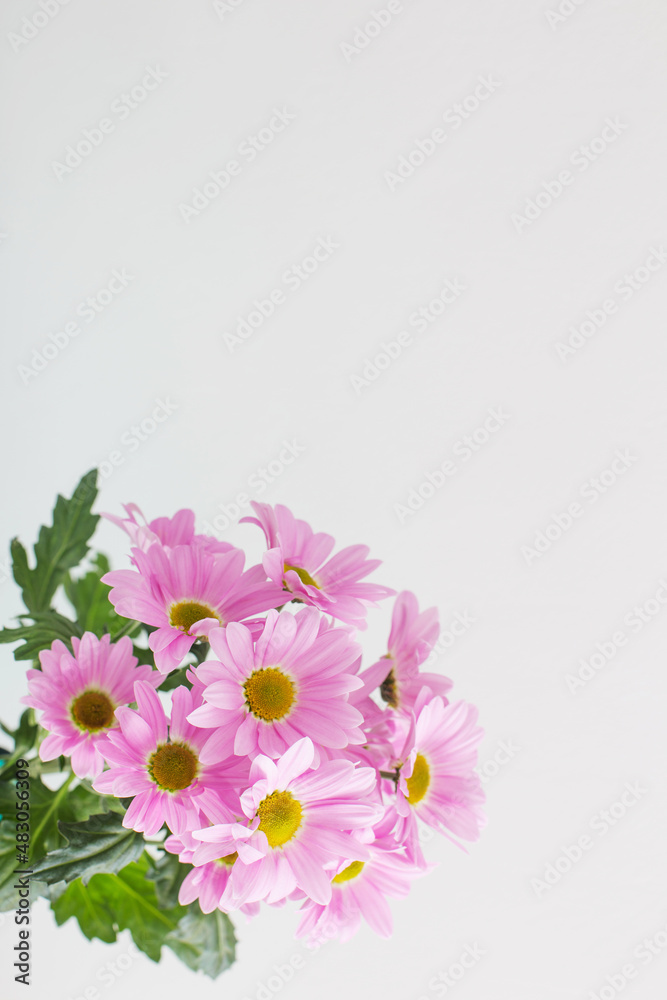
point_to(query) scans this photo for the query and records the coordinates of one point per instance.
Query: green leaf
(90, 599)
(8, 862)
(144, 655)
(95, 920)
(126, 901)
(24, 736)
(205, 942)
(46, 627)
(99, 844)
(128, 627)
(167, 873)
(175, 679)
(59, 547)
(46, 808)
(22, 573)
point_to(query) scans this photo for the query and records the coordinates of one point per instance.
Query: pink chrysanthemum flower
(79, 694)
(292, 682)
(411, 639)
(174, 589)
(208, 882)
(360, 889)
(301, 826)
(437, 779)
(168, 531)
(157, 761)
(298, 560)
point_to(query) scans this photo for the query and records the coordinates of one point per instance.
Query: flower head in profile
(301, 825)
(298, 560)
(360, 890)
(79, 692)
(168, 531)
(208, 883)
(293, 681)
(157, 761)
(411, 639)
(437, 782)
(174, 589)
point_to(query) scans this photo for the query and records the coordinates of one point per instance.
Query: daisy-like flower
(298, 560)
(301, 826)
(293, 681)
(360, 889)
(437, 780)
(174, 589)
(208, 882)
(168, 531)
(411, 639)
(157, 761)
(79, 692)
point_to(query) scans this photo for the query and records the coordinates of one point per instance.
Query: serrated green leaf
(59, 547)
(99, 844)
(205, 942)
(126, 901)
(46, 627)
(90, 599)
(22, 574)
(46, 808)
(94, 919)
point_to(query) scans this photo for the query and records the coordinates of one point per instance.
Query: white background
(364, 450)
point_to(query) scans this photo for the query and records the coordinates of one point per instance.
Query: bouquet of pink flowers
(276, 768)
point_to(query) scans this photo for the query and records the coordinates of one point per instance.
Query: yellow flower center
(419, 780)
(279, 817)
(184, 614)
(93, 711)
(228, 859)
(352, 871)
(303, 575)
(269, 694)
(173, 766)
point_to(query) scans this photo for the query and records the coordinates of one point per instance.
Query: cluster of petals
(167, 531)
(322, 808)
(302, 670)
(360, 890)
(411, 639)
(173, 589)
(156, 760)
(437, 781)
(283, 769)
(298, 559)
(78, 693)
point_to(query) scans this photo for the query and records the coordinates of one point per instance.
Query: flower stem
(392, 775)
(54, 805)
